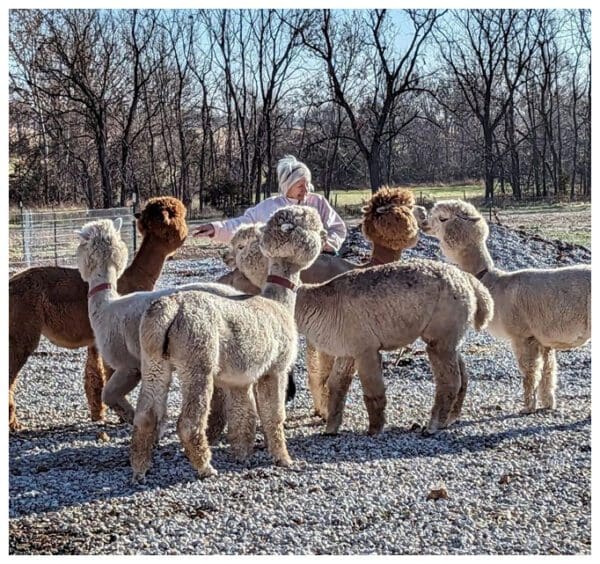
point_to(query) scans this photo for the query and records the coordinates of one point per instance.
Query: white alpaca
(115, 320)
(538, 310)
(231, 342)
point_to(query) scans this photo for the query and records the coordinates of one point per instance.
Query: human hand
(206, 230)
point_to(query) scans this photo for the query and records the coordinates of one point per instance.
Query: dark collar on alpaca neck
(481, 274)
(99, 288)
(281, 281)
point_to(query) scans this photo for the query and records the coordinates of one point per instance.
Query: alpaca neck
(383, 255)
(474, 259)
(277, 292)
(98, 300)
(143, 272)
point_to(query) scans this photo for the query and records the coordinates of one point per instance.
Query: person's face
(298, 190)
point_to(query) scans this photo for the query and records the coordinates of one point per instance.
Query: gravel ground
(506, 483)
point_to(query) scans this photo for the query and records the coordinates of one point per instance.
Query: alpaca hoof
(138, 478)
(549, 404)
(16, 426)
(374, 430)
(331, 430)
(451, 420)
(527, 411)
(207, 472)
(284, 462)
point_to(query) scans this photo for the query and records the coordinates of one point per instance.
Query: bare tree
(364, 70)
(487, 52)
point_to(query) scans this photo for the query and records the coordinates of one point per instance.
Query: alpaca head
(246, 236)
(101, 249)
(293, 233)
(163, 219)
(457, 225)
(388, 219)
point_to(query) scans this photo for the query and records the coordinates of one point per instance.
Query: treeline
(201, 104)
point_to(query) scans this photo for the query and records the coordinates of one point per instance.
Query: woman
(295, 187)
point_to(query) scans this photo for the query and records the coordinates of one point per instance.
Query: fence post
(22, 228)
(134, 201)
(55, 241)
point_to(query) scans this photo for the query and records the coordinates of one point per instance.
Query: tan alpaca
(538, 310)
(358, 314)
(231, 342)
(388, 222)
(52, 301)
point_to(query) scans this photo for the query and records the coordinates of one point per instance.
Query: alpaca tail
(156, 325)
(485, 304)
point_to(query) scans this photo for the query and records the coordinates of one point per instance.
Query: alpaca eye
(442, 219)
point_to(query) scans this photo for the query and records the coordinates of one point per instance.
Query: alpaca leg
(20, 348)
(447, 376)
(120, 384)
(337, 386)
(319, 366)
(94, 379)
(529, 358)
(149, 413)
(242, 422)
(217, 418)
(196, 390)
(546, 391)
(271, 408)
(368, 366)
(456, 409)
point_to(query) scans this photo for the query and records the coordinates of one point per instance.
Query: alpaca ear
(286, 227)
(383, 209)
(470, 217)
(83, 235)
(166, 217)
(118, 223)
(137, 215)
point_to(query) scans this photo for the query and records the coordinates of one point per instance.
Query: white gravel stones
(350, 494)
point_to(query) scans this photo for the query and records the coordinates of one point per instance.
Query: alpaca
(52, 301)
(538, 310)
(391, 306)
(115, 319)
(388, 222)
(235, 343)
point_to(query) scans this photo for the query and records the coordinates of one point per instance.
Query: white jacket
(261, 212)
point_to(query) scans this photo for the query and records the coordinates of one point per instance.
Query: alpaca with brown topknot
(52, 301)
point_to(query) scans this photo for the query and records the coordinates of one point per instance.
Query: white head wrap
(289, 171)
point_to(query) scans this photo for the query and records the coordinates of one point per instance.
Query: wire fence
(45, 238)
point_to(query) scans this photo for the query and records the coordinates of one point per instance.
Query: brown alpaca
(52, 301)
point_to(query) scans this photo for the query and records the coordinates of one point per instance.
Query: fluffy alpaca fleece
(52, 301)
(538, 310)
(235, 343)
(115, 319)
(388, 219)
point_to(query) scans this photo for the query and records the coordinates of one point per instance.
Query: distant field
(342, 198)
(571, 222)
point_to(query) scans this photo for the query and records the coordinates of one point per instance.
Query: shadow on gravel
(401, 443)
(43, 481)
